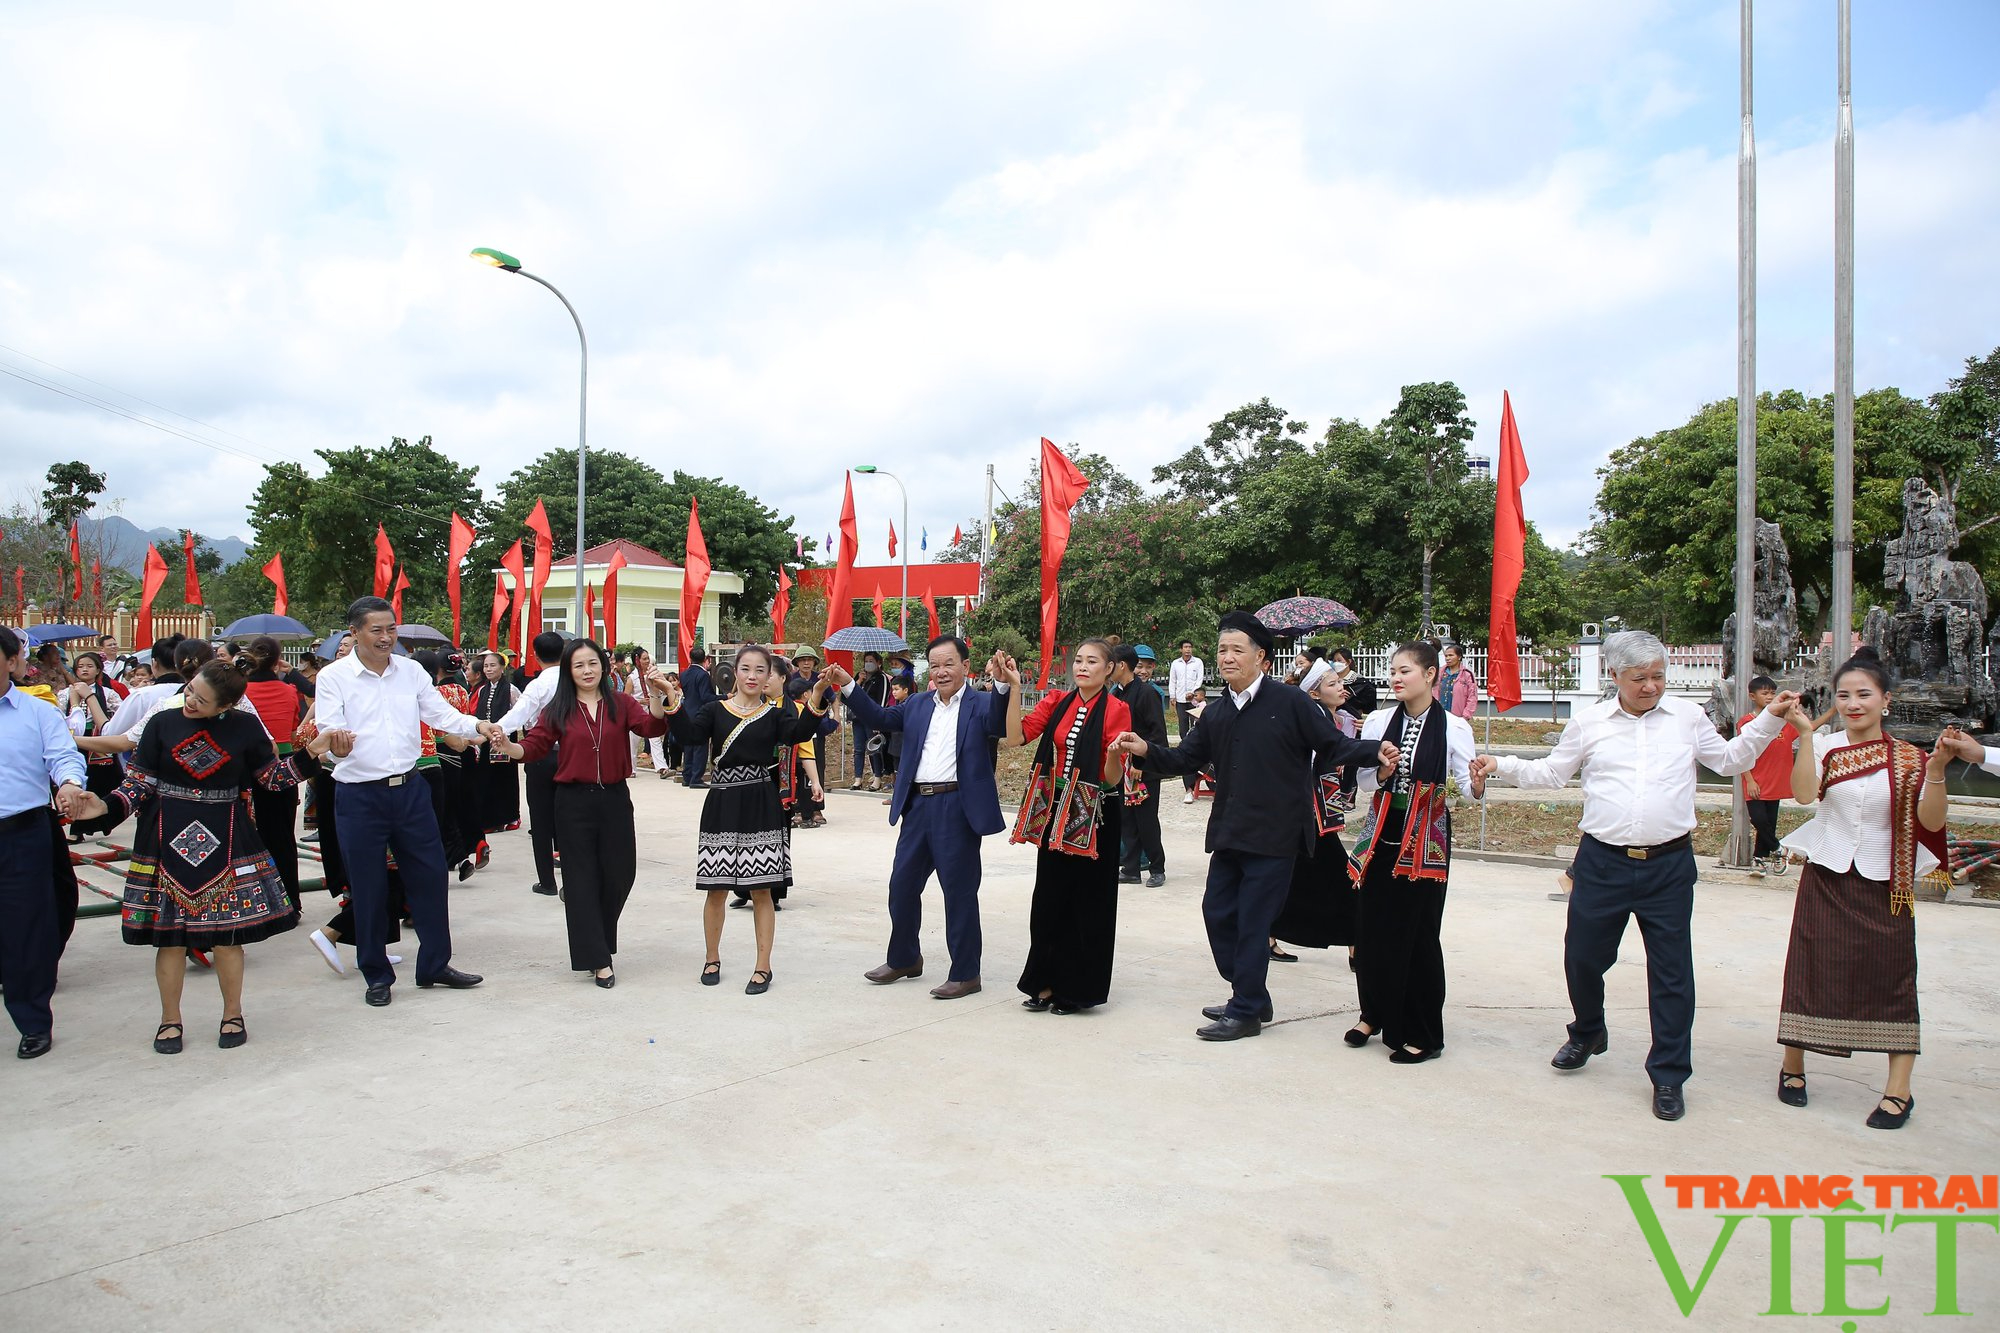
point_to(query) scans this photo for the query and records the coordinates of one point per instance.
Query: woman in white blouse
(1851, 969)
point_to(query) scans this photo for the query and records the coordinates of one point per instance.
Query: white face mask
(1340, 668)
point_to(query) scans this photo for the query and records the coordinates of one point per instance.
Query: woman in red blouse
(1071, 814)
(593, 811)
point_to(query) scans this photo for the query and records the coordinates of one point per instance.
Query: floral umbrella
(1305, 615)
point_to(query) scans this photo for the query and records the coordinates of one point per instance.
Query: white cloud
(805, 236)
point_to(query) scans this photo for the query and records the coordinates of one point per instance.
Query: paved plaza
(541, 1154)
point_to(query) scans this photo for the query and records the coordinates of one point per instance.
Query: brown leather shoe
(885, 974)
(956, 990)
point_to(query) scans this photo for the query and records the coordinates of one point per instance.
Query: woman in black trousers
(593, 803)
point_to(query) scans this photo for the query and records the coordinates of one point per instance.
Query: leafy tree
(1246, 441)
(1426, 437)
(72, 489)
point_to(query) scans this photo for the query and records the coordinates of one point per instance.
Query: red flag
(499, 611)
(956, 537)
(537, 522)
(611, 597)
(694, 579)
(513, 563)
(1510, 539)
(892, 541)
(97, 585)
(396, 598)
(21, 593)
(840, 595)
(385, 562)
(1062, 487)
(930, 605)
(274, 570)
(878, 606)
(190, 585)
(461, 542)
(781, 606)
(155, 578)
(589, 612)
(76, 559)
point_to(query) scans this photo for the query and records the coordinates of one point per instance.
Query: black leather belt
(1658, 849)
(934, 788)
(395, 781)
(24, 819)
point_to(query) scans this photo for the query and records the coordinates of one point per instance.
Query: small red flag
(76, 559)
(878, 606)
(385, 562)
(537, 522)
(155, 578)
(1062, 486)
(274, 570)
(461, 542)
(396, 598)
(499, 612)
(513, 562)
(956, 537)
(589, 612)
(781, 606)
(892, 541)
(694, 579)
(611, 596)
(930, 605)
(840, 593)
(190, 585)
(1510, 539)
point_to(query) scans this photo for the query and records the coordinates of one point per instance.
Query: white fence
(1692, 668)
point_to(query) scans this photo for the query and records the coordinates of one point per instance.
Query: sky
(805, 236)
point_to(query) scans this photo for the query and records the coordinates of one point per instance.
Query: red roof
(635, 556)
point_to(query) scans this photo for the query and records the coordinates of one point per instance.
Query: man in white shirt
(1185, 676)
(371, 702)
(1638, 754)
(540, 776)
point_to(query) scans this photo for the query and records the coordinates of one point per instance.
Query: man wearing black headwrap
(1259, 739)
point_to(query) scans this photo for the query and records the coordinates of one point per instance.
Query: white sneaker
(395, 958)
(327, 951)
(1188, 799)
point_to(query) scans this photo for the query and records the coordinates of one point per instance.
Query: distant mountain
(125, 543)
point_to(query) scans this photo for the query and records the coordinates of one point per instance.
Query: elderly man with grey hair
(1638, 753)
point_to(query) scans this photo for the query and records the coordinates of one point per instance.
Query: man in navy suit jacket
(946, 801)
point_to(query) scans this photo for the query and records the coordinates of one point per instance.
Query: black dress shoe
(711, 974)
(1221, 1011)
(1791, 1088)
(1229, 1029)
(1061, 1009)
(1355, 1037)
(35, 1044)
(377, 996)
(1575, 1054)
(1667, 1102)
(1128, 877)
(452, 978)
(1403, 1055)
(1036, 1004)
(605, 983)
(1879, 1118)
(1156, 879)
(545, 890)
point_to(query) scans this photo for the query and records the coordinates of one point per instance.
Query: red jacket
(594, 750)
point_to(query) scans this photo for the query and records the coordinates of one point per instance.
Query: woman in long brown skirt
(1851, 969)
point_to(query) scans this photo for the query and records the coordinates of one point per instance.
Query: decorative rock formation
(1774, 631)
(1933, 642)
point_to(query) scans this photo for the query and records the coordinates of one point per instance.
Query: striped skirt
(1851, 970)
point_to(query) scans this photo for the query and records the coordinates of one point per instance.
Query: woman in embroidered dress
(743, 841)
(200, 876)
(1071, 815)
(1851, 969)
(1402, 862)
(497, 777)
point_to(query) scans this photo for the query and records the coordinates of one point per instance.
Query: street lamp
(903, 604)
(500, 259)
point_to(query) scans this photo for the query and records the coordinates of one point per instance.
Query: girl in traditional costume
(497, 777)
(1851, 968)
(1402, 861)
(744, 842)
(1070, 814)
(200, 877)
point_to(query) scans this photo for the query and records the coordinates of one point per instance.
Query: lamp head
(497, 258)
(864, 467)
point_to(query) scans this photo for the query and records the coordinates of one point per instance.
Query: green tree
(1426, 435)
(1247, 441)
(72, 489)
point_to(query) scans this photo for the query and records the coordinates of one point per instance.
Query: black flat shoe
(1229, 1029)
(164, 1044)
(739, 902)
(34, 1045)
(605, 983)
(452, 979)
(757, 987)
(1790, 1092)
(1036, 1004)
(1668, 1103)
(229, 1040)
(545, 890)
(1355, 1037)
(464, 870)
(1881, 1119)
(1128, 877)
(377, 996)
(1061, 1009)
(711, 974)
(1403, 1055)
(1221, 1011)
(1574, 1054)
(1280, 956)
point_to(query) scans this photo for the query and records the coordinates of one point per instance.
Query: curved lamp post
(903, 603)
(500, 259)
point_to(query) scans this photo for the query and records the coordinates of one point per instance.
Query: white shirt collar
(1246, 696)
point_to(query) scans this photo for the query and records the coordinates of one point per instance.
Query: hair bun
(1866, 653)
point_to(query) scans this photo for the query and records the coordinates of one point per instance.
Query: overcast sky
(804, 236)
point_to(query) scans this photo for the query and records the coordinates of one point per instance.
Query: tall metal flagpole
(986, 535)
(582, 405)
(1742, 847)
(1841, 619)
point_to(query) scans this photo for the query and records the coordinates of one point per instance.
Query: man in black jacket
(1259, 739)
(1141, 825)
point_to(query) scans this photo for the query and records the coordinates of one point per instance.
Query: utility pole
(986, 535)
(1741, 851)
(1841, 618)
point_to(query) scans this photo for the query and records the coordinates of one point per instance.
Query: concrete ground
(542, 1154)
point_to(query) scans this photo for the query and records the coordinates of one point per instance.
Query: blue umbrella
(865, 639)
(41, 634)
(278, 627)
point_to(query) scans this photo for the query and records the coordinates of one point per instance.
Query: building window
(667, 637)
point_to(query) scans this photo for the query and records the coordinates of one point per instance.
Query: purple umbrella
(1305, 615)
